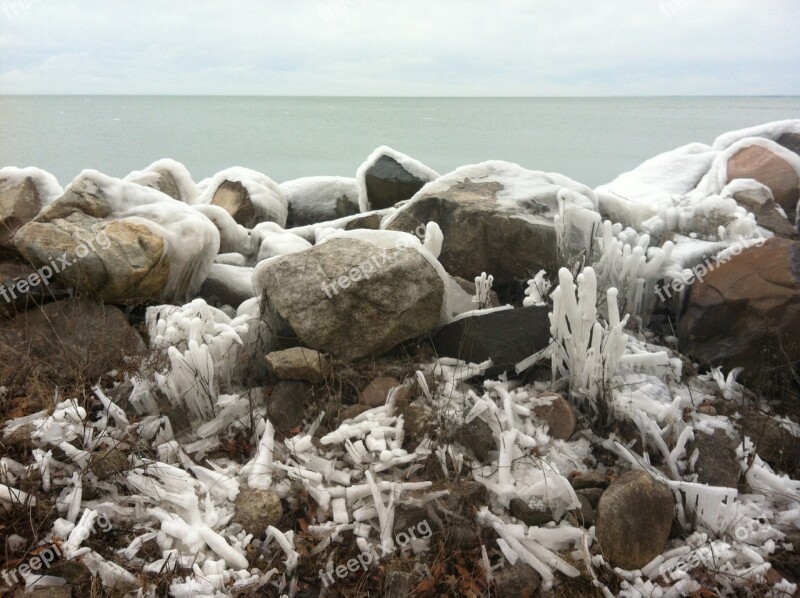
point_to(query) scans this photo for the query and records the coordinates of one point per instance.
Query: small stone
(109, 463)
(477, 437)
(517, 581)
(352, 411)
(409, 517)
(593, 479)
(255, 510)
(716, 464)
(419, 421)
(707, 409)
(20, 438)
(299, 363)
(634, 519)
(465, 498)
(376, 391)
(286, 404)
(560, 417)
(528, 515)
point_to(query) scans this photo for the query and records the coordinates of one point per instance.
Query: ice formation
(268, 199)
(187, 189)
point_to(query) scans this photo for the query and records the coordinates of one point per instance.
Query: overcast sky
(401, 47)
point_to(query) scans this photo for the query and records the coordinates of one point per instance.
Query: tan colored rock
(255, 510)
(132, 269)
(633, 519)
(234, 199)
(377, 391)
(299, 363)
(759, 163)
(121, 242)
(560, 417)
(747, 311)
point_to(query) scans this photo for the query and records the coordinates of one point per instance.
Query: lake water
(589, 139)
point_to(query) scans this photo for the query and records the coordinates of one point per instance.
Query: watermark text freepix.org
(10, 289)
(700, 271)
(367, 268)
(44, 559)
(365, 559)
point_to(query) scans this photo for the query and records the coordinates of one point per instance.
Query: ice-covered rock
(634, 518)
(121, 242)
(498, 218)
(318, 199)
(169, 177)
(249, 196)
(23, 192)
(650, 189)
(233, 237)
(270, 240)
(757, 198)
(745, 311)
(388, 177)
(763, 160)
(353, 298)
(228, 285)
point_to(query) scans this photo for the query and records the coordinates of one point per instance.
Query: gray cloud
(413, 47)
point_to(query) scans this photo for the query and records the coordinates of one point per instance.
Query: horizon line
(392, 97)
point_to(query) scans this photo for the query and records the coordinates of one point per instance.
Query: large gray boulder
(121, 242)
(497, 218)
(352, 298)
(389, 177)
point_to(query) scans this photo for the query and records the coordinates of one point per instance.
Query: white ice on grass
(187, 189)
(412, 166)
(46, 184)
(483, 286)
(203, 345)
(268, 200)
(585, 351)
(538, 290)
(624, 260)
(191, 241)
